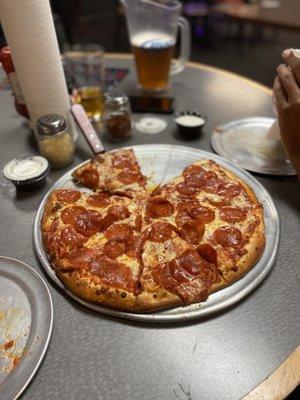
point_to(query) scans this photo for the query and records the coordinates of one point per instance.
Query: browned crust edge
(256, 244)
(86, 288)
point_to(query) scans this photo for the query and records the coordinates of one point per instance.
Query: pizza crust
(256, 244)
(84, 285)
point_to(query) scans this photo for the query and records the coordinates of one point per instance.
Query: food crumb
(16, 361)
(9, 344)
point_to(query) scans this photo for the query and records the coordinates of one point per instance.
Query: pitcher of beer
(152, 26)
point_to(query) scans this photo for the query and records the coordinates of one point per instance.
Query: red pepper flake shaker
(8, 66)
(117, 116)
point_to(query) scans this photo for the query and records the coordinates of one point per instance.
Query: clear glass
(153, 26)
(84, 65)
(117, 116)
(58, 149)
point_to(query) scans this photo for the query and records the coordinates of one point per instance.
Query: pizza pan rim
(216, 302)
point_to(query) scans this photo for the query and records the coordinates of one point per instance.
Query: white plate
(163, 162)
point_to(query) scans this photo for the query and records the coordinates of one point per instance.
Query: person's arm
(287, 96)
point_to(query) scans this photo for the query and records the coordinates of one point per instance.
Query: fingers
(279, 94)
(289, 83)
(292, 58)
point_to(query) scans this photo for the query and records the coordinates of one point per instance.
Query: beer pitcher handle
(185, 46)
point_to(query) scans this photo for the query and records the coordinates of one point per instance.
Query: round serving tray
(245, 142)
(26, 319)
(162, 162)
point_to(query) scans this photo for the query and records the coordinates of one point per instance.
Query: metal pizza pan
(245, 142)
(26, 319)
(161, 163)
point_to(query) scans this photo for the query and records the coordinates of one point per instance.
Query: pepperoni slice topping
(159, 207)
(207, 252)
(228, 236)
(193, 210)
(186, 203)
(98, 200)
(70, 236)
(182, 217)
(89, 177)
(192, 231)
(107, 221)
(113, 273)
(160, 232)
(123, 162)
(137, 245)
(121, 212)
(70, 214)
(81, 259)
(193, 171)
(191, 261)
(127, 177)
(229, 190)
(210, 182)
(200, 213)
(233, 214)
(189, 275)
(138, 223)
(68, 195)
(178, 273)
(88, 222)
(205, 214)
(113, 248)
(186, 188)
(120, 231)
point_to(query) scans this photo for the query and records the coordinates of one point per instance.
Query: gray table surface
(223, 357)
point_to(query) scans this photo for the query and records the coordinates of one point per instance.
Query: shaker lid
(51, 124)
(116, 98)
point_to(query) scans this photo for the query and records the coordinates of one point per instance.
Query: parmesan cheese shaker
(55, 140)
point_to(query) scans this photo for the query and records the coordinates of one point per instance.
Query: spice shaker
(55, 140)
(117, 116)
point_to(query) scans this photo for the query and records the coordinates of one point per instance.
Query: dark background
(248, 49)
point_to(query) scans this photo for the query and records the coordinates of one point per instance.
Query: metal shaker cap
(116, 99)
(51, 124)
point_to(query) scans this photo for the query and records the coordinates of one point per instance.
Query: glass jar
(55, 141)
(117, 116)
(84, 65)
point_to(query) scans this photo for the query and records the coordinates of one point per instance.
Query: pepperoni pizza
(130, 247)
(112, 172)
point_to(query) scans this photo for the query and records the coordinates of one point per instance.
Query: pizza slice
(116, 172)
(93, 245)
(215, 213)
(173, 273)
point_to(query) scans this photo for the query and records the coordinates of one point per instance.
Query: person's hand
(287, 96)
(292, 58)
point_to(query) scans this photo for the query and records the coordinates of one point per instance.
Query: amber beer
(92, 100)
(153, 54)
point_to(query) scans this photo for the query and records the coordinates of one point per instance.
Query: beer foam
(152, 39)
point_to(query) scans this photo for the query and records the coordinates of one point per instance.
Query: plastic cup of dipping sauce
(27, 173)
